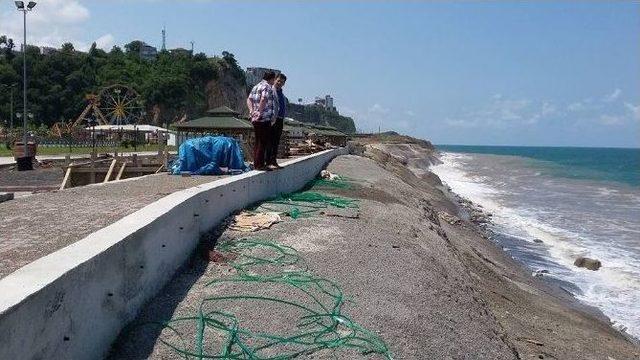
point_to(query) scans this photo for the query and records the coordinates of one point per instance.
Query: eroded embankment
(425, 283)
(537, 315)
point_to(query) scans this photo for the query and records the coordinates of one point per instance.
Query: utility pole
(192, 47)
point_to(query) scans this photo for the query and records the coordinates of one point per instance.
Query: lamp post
(20, 6)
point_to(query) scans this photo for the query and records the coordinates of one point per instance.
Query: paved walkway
(8, 160)
(35, 226)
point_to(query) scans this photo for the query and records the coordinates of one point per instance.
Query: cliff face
(227, 89)
(230, 89)
(318, 115)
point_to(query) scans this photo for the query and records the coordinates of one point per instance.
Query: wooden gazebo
(219, 121)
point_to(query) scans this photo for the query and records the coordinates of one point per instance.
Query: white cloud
(345, 110)
(410, 113)
(548, 109)
(502, 112)
(611, 119)
(634, 110)
(105, 42)
(51, 23)
(613, 96)
(576, 106)
(468, 123)
(378, 109)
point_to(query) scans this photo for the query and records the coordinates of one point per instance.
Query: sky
(476, 73)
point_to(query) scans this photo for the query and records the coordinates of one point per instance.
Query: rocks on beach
(591, 264)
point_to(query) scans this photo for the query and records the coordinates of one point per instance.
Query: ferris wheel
(120, 105)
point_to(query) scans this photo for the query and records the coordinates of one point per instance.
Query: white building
(326, 102)
(148, 52)
(47, 50)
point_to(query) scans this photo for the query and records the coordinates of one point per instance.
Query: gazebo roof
(215, 122)
(223, 111)
(326, 130)
(293, 122)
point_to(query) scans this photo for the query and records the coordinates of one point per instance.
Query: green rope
(306, 203)
(322, 324)
(338, 183)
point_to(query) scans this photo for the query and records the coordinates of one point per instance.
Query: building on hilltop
(148, 52)
(326, 102)
(180, 51)
(255, 74)
(47, 50)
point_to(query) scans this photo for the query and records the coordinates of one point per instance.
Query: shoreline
(482, 218)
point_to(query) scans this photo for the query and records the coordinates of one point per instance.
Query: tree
(133, 48)
(67, 48)
(8, 45)
(58, 83)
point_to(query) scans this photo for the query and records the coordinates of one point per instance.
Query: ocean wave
(567, 230)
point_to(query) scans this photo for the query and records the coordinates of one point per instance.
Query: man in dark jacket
(276, 128)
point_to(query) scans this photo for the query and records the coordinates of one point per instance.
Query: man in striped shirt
(261, 104)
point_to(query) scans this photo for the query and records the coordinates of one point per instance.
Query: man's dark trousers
(276, 134)
(262, 143)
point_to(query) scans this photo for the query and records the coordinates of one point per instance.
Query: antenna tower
(164, 39)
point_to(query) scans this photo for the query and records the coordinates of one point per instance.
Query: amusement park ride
(113, 105)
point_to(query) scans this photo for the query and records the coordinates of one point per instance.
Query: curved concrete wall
(73, 303)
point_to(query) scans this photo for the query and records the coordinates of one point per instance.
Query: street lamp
(20, 6)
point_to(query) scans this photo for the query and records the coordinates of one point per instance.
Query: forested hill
(172, 86)
(59, 82)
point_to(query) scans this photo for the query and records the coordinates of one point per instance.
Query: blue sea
(551, 205)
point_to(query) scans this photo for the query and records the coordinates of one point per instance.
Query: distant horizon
(546, 146)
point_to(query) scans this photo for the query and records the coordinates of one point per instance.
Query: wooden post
(92, 175)
(121, 171)
(135, 161)
(113, 165)
(67, 175)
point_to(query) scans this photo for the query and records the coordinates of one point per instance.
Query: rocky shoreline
(482, 219)
(473, 215)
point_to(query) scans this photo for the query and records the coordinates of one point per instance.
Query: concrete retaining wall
(73, 303)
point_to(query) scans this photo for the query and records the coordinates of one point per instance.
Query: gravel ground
(37, 225)
(49, 176)
(428, 289)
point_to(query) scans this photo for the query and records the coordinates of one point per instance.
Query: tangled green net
(306, 204)
(313, 308)
(340, 182)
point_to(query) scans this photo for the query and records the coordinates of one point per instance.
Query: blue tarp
(207, 155)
